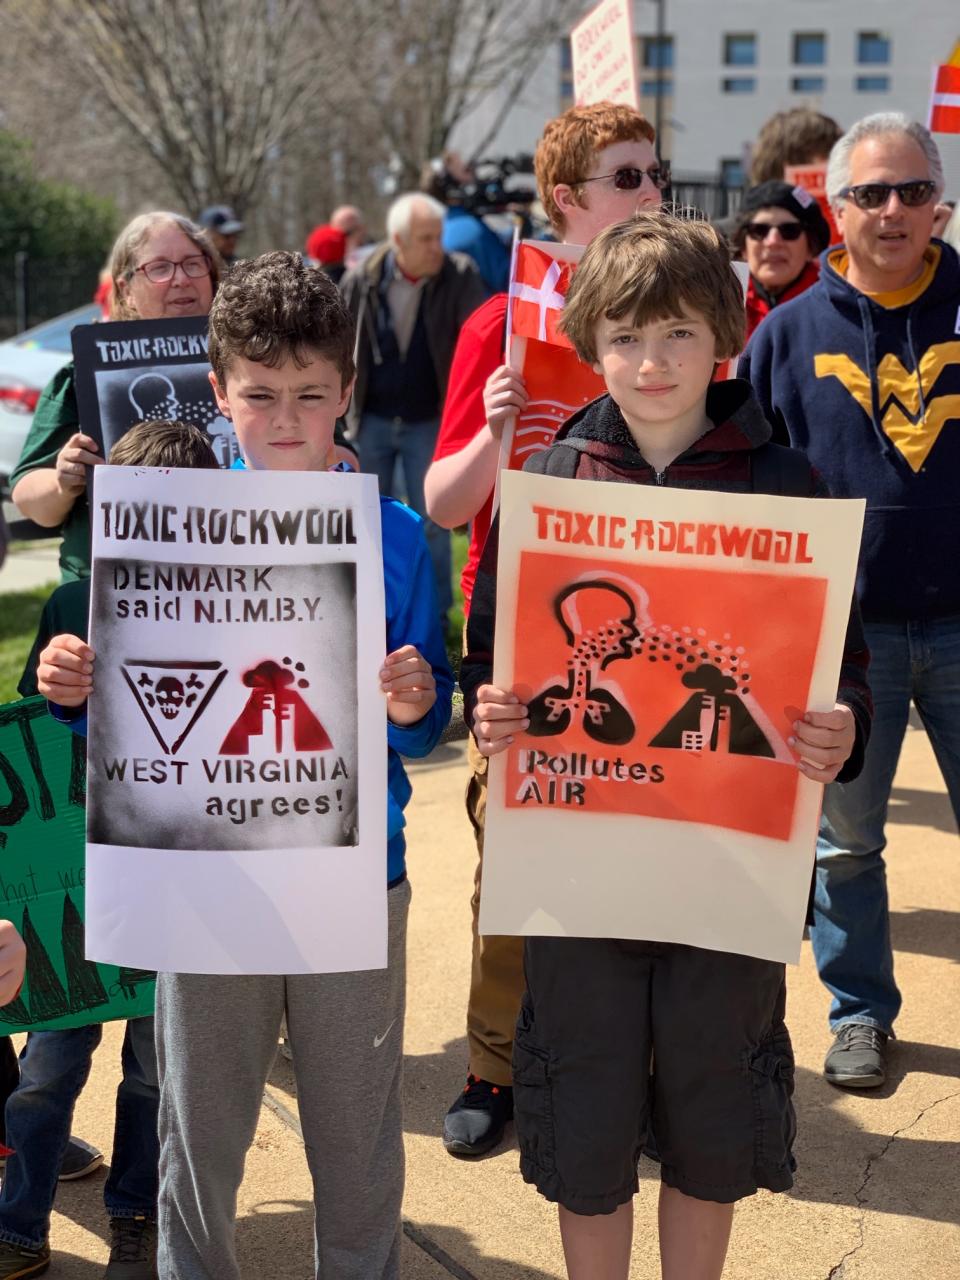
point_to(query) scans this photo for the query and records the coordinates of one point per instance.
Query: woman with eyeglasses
(780, 233)
(161, 265)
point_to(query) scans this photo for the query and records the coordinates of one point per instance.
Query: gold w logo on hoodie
(911, 417)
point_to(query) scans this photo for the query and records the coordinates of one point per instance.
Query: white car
(27, 363)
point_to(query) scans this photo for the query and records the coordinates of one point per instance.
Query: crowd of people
(601, 1050)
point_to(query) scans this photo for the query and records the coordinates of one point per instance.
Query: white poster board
(236, 814)
(604, 58)
(665, 641)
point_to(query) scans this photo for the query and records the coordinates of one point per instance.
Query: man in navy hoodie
(863, 374)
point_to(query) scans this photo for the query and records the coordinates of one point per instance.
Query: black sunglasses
(760, 230)
(874, 195)
(630, 179)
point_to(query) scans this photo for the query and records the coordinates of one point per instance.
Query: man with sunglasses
(595, 165)
(863, 373)
(780, 232)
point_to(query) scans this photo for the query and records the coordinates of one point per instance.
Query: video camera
(488, 191)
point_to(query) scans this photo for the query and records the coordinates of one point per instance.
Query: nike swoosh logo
(378, 1040)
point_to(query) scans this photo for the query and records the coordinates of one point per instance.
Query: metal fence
(37, 289)
(708, 195)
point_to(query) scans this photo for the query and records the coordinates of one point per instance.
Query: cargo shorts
(624, 1045)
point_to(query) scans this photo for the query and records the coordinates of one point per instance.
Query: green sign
(43, 776)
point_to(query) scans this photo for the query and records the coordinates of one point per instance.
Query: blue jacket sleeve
(74, 718)
(413, 617)
(756, 366)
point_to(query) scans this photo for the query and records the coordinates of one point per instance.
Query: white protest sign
(604, 59)
(236, 803)
(664, 641)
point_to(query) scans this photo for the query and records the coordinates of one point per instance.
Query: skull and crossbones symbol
(168, 694)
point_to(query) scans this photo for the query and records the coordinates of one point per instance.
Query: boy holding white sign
(653, 307)
(281, 347)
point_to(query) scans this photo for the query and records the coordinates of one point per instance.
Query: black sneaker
(17, 1263)
(133, 1250)
(79, 1159)
(475, 1122)
(856, 1059)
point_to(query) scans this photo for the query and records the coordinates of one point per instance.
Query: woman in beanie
(780, 233)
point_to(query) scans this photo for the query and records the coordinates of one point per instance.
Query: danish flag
(945, 100)
(538, 287)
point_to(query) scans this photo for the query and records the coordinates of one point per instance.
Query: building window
(650, 88)
(732, 174)
(566, 72)
(873, 47)
(809, 48)
(873, 84)
(740, 50)
(808, 84)
(740, 84)
(657, 53)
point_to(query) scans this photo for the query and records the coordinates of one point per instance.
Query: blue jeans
(385, 443)
(851, 929)
(53, 1069)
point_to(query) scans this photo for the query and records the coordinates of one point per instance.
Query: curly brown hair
(571, 142)
(798, 136)
(651, 268)
(276, 307)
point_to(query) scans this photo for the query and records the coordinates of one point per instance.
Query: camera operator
(467, 198)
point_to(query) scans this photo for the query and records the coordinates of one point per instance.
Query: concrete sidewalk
(31, 564)
(878, 1187)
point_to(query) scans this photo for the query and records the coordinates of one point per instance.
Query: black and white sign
(133, 371)
(236, 808)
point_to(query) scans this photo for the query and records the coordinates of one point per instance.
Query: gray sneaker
(133, 1251)
(856, 1058)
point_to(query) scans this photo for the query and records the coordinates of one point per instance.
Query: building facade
(722, 67)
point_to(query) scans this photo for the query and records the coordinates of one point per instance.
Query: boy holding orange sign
(622, 1041)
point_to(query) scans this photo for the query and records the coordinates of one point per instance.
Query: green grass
(19, 616)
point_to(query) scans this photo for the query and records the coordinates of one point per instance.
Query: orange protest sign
(558, 384)
(604, 61)
(664, 642)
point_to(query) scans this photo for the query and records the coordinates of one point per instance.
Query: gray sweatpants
(216, 1041)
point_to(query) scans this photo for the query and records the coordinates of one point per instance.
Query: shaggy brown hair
(799, 136)
(276, 307)
(163, 443)
(571, 142)
(653, 268)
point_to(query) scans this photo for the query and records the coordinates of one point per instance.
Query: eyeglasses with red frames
(162, 270)
(630, 179)
(871, 196)
(760, 230)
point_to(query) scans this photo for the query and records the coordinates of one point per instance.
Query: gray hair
(123, 255)
(882, 124)
(400, 214)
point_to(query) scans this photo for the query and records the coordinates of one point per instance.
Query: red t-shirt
(478, 353)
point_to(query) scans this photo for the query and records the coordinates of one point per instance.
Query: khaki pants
(496, 979)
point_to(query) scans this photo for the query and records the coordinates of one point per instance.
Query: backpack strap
(780, 471)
